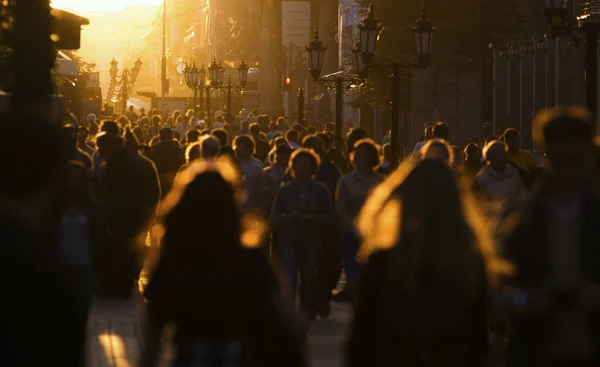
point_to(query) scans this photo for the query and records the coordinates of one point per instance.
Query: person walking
(423, 294)
(217, 290)
(300, 215)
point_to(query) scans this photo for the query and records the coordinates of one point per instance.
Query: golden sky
(84, 6)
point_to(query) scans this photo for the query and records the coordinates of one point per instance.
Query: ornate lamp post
(336, 81)
(196, 80)
(423, 30)
(126, 81)
(217, 75)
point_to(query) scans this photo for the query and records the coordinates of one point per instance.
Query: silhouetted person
(82, 234)
(424, 287)
(251, 169)
(221, 296)
(301, 212)
(351, 194)
(262, 147)
(168, 158)
(554, 247)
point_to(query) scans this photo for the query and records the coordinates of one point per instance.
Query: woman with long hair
(423, 295)
(211, 282)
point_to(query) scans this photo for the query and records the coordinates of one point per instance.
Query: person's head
(222, 135)
(124, 121)
(314, 143)
(107, 144)
(437, 149)
(139, 134)
(130, 108)
(292, 136)
(132, 144)
(91, 118)
(192, 136)
(142, 111)
(156, 120)
(205, 199)
(255, 130)
(298, 127)
(110, 127)
(192, 152)
(281, 124)
(282, 154)
(243, 146)
(365, 156)
(428, 133)
(495, 153)
(441, 131)
(273, 126)
(279, 140)
(304, 164)
(180, 119)
(408, 215)
(210, 147)
(472, 153)
(512, 139)
(327, 141)
(245, 124)
(565, 134)
(274, 139)
(78, 185)
(166, 134)
(355, 134)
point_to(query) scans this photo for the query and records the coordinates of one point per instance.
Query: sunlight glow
(84, 6)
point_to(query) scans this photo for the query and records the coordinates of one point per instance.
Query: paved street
(115, 332)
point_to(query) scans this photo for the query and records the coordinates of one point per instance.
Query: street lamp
(126, 81)
(423, 30)
(316, 54)
(217, 81)
(195, 79)
(370, 28)
(337, 81)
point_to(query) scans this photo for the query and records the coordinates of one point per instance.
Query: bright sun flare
(100, 5)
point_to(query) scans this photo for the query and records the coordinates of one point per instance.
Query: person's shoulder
(257, 163)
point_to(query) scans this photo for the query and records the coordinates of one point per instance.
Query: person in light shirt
(499, 181)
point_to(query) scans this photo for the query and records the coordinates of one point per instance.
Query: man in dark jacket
(554, 248)
(168, 158)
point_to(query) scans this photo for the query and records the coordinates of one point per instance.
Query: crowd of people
(455, 257)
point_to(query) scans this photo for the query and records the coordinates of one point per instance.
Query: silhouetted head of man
(441, 131)
(166, 134)
(565, 134)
